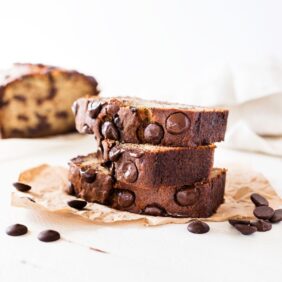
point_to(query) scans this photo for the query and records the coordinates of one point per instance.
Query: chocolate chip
(20, 98)
(124, 199)
(61, 114)
(86, 129)
(262, 225)
(117, 122)
(22, 187)
(259, 200)
(48, 236)
(263, 212)
(109, 130)
(198, 227)
(245, 229)
(89, 176)
(115, 154)
(75, 107)
(130, 172)
(16, 230)
(239, 221)
(187, 196)
(22, 117)
(153, 133)
(176, 123)
(154, 210)
(77, 204)
(277, 217)
(70, 189)
(94, 108)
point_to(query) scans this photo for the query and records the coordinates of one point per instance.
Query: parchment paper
(49, 184)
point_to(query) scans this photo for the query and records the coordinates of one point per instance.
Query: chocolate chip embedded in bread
(187, 196)
(61, 114)
(153, 133)
(123, 199)
(109, 131)
(23, 117)
(20, 98)
(154, 210)
(115, 153)
(94, 108)
(130, 171)
(177, 123)
(89, 176)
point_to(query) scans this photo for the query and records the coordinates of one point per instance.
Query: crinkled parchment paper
(49, 184)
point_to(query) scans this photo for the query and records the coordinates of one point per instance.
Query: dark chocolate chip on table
(16, 230)
(198, 227)
(277, 216)
(48, 236)
(259, 200)
(22, 187)
(77, 204)
(263, 212)
(177, 123)
(94, 109)
(262, 225)
(153, 133)
(245, 229)
(109, 131)
(239, 221)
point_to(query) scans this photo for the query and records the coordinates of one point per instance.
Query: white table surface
(135, 253)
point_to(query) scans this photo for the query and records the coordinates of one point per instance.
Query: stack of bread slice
(153, 158)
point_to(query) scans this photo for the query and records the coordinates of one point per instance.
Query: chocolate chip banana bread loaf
(35, 100)
(153, 165)
(133, 120)
(94, 183)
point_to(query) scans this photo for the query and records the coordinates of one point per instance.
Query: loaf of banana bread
(35, 100)
(93, 182)
(133, 120)
(154, 165)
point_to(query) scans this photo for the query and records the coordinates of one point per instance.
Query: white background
(152, 49)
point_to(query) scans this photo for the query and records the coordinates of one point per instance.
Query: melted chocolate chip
(259, 200)
(77, 204)
(123, 199)
(48, 236)
(198, 227)
(187, 196)
(245, 229)
(154, 210)
(22, 187)
(89, 176)
(16, 230)
(94, 109)
(109, 131)
(263, 212)
(153, 133)
(130, 172)
(86, 129)
(177, 123)
(115, 154)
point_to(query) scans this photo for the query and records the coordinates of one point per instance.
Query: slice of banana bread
(35, 100)
(133, 120)
(94, 183)
(153, 165)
